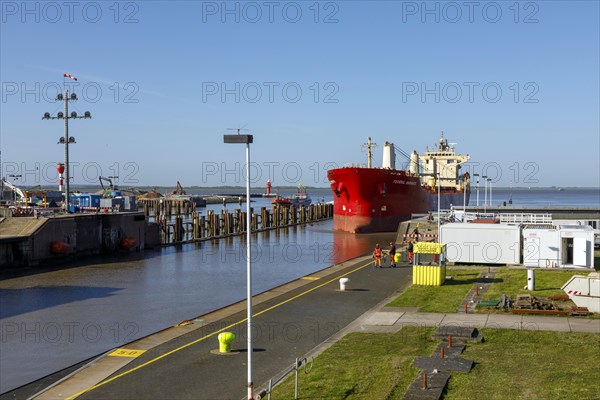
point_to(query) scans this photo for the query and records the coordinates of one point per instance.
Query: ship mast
(369, 146)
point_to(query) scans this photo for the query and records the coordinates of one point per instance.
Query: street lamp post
(66, 140)
(477, 175)
(485, 179)
(247, 139)
(465, 196)
(491, 202)
(439, 206)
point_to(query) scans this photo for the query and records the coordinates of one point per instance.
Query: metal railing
(525, 218)
(445, 215)
(294, 369)
(512, 218)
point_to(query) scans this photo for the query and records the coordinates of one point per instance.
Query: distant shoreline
(277, 188)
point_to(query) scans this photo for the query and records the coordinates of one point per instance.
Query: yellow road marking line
(126, 353)
(310, 278)
(168, 353)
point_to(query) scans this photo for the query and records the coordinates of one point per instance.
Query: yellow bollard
(225, 339)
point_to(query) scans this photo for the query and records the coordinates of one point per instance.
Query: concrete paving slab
(502, 321)
(378, 329)
(382, 318)
(435, 386)
(584, 325)
(478, 320)
(443, 364)
(456, 331)
(454, 351)
(420, 319)
(538, 323)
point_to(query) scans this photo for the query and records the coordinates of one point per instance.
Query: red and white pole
(60, 168)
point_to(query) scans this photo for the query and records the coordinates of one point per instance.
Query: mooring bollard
(442, 352)
(343, 282)
(465, 308)
(449, 341)
(425, 380)
(476, 290)
(225, 339)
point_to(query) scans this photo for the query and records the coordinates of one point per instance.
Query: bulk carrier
(368, 199)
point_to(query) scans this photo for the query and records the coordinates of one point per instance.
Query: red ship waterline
(368, 199)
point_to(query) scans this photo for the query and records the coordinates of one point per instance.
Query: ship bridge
(444, 164)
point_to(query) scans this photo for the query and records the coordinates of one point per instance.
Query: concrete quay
(29, 241)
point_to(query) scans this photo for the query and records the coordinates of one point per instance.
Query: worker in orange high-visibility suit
(377, 255)
(410, 251)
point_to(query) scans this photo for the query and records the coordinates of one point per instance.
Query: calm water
(542, 197)
(53, 319)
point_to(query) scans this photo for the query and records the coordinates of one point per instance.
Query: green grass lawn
(510, 364)
(548, 283)
(363, 365)
(512, 281)
(445, 298)
(513, 364)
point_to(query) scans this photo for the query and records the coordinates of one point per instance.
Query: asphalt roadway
(288, 322)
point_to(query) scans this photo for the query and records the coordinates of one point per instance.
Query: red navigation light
(60, 168)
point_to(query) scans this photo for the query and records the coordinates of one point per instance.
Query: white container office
(481, 243)
(558, 246)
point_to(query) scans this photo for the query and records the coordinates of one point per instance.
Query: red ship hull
(376, 200)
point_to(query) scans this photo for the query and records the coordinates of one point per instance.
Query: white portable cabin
(481, 243)
(558, 246)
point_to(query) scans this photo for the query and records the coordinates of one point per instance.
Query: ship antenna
(369, 146)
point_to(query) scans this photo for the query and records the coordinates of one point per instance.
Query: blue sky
(516, 85)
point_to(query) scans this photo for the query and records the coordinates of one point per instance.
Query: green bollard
(225, 339)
